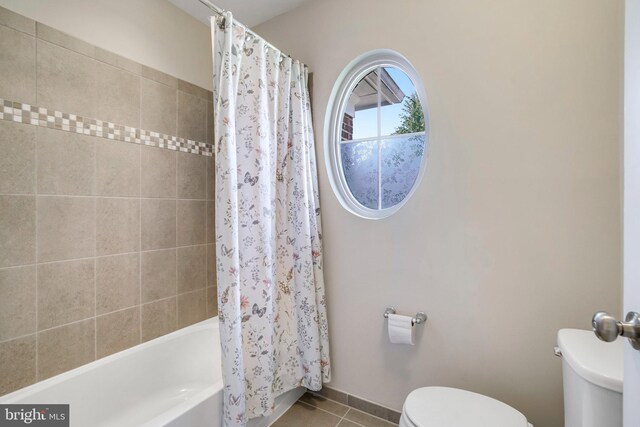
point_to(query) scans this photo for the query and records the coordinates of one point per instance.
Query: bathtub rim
(24, 392)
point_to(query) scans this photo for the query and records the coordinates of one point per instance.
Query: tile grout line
(206, 235)
(35, 197)
(34, 35)
(176, 224)
(98, 256)
(98, 315)
(140, 226)
(35, 190)
(116, 311)
(87, 196)
(349, 408)
(345, 414)
(331, 413)
(318, 408)
(177, 114)
(95, 253)
(105, 62)
(206, 240)
(82, 53)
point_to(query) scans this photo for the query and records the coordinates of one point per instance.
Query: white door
(632, 205)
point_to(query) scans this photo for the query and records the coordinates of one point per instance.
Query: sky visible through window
(366, 121)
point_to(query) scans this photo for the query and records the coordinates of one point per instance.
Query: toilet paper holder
(419, 319)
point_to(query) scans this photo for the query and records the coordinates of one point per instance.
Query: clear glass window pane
(401, 162)
(400, 110)
(360, 119)
(360, 168)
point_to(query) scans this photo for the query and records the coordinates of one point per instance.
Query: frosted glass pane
(360, 168)
(400, 111)
(401, 161)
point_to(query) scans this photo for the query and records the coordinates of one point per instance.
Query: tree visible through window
(412, 115)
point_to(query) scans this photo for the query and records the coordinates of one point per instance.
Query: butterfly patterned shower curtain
(273, 322)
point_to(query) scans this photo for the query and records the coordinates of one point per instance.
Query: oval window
(376, 134)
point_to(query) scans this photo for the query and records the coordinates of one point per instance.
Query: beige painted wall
(152, 32)
(515, 231)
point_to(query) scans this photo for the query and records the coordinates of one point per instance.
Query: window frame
(355, 71)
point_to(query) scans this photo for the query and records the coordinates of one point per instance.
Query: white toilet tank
(592, 378)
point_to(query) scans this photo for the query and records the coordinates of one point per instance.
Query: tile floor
(315, 411)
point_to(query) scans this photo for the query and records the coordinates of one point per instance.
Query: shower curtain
(272, 308)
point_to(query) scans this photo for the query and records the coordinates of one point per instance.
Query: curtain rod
(220, 12)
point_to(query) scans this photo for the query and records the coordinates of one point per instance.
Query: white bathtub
(172, 381)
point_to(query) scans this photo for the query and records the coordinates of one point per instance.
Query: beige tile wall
(103, 244)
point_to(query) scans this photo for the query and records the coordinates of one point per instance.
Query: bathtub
(172, 381)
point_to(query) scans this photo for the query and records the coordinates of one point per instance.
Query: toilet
(592, 382)
(592, 376)
(452, 407)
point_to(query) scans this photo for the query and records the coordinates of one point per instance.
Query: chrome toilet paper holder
(419, 319)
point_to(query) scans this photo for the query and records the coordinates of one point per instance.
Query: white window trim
(346, 83)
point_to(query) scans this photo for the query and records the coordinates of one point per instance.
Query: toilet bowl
(451, 407)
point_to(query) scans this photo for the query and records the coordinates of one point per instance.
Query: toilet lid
(450, 407)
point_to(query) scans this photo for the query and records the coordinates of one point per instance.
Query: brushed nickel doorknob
(607, 328)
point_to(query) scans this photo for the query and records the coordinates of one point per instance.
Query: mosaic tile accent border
(39, 116)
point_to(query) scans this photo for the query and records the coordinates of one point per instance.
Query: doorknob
(607, 328)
